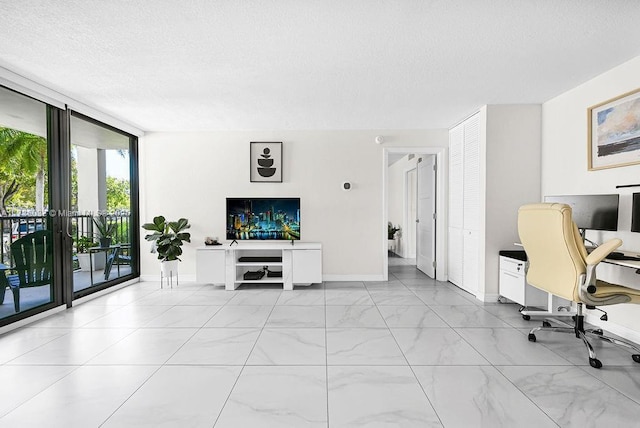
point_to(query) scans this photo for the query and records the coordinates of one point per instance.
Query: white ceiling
(312, 64)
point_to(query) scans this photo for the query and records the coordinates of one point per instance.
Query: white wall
(564, 171)
(190, 175)
(512, 177)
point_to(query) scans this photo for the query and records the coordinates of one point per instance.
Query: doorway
(403, 198)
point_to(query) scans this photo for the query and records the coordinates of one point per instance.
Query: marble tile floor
(408, 352)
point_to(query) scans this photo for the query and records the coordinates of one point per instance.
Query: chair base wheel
(526, 317)
(532, 337)
(636, 358)
(598, 332)
(595, 363)
(546, 324)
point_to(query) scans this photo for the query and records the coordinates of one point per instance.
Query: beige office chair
(559, 264)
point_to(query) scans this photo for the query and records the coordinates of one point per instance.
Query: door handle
(68, 225)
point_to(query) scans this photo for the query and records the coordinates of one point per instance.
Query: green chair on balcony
(33, 262)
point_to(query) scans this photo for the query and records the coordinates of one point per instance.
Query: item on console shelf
(260, 259)
(274, 274)
(211, 241)
(252, 276)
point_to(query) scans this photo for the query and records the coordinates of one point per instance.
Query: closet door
(471, 204)
(456, 205)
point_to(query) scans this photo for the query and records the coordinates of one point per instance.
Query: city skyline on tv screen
(263, 218)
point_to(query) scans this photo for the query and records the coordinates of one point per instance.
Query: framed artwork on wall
(614, 132)
(266, 162)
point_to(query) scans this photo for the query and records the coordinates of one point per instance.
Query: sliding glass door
(68, 206)
(28, 250)
(103, 220)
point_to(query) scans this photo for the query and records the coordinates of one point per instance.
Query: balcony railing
(14, 227)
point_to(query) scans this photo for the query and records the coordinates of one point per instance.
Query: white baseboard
(105, 291)
(349, 278)
(614, 328)
(491, 298)
(156, 278)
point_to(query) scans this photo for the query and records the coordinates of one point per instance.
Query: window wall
(67, 182)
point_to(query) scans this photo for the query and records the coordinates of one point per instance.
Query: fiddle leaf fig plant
(168, 237)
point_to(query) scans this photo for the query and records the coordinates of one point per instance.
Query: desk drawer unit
(513, 284)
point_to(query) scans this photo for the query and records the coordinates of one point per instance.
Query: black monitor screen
(594, 212)
(635, 213)
(263, 218)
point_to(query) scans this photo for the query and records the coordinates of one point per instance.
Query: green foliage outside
(118, 194)
(23, 170)
(84, 243)
(122, 233)
(24, 175)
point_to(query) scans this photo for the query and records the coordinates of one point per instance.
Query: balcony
(101, 270)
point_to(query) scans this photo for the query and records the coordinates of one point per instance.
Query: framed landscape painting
(614, 132)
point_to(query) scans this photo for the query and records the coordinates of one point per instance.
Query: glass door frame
(55, 134)
(58, 120)
(134, 225)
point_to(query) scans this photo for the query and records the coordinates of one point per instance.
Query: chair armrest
(8, 279)
(4, 282)
(596, 256)
(602, 251)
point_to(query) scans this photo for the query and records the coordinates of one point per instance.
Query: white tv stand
(300, 263)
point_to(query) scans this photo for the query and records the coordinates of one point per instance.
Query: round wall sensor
(379, 139)
(346, 186)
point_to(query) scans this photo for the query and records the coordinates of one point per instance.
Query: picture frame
(265, 160)
(614, 132)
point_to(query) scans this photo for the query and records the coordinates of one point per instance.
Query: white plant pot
(169, 271)
(97, 260)
(169, 268)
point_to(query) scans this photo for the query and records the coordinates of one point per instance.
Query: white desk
(634, 264)
(627, 278)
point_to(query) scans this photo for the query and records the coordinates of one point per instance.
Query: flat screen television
(635, 213)
(593, 212)
(263, 218)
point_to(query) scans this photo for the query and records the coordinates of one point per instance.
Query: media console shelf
(299, 264)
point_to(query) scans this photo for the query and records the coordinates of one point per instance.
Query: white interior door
(411, 197)
(426, 216)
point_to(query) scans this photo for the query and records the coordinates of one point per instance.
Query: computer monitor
(635, 213)
(593, 212)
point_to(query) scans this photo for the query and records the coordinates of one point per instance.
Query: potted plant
(391, 229)
(106, 229)
(168, 237)
(82, 248)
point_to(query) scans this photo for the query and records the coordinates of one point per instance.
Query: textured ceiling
(312, 64)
